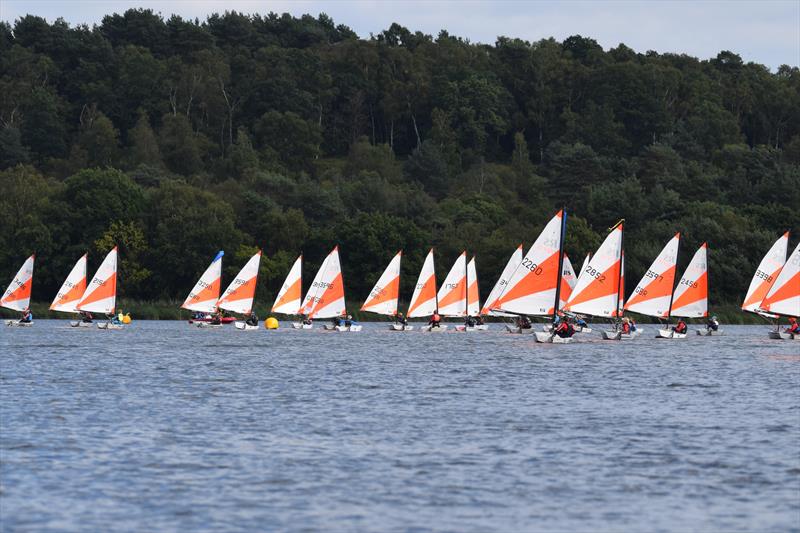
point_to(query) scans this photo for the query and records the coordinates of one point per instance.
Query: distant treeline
(177, 138)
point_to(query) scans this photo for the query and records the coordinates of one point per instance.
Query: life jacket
(794, 328)
(436, 317)
(626, 328)
(680, 327)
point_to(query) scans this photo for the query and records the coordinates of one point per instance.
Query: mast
(621, 266)
(435, 292)
(466, 284)
(676, 280)
(560, 262)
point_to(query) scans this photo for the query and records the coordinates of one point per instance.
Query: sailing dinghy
(290, 295)
(382, 299)
(204, 295)
(473, 299)
(690, 299)
(100, 295)
(599, 289)
(238, 297)
(424, 300)
(763, 280)
(568, 282)
(325, 297)
(18, 294)
(71, 291)
(452, 295)
(783, 298)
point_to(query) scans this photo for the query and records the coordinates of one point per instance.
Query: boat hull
(710, 332)
(224, 320)
(611, 335)
(669, 334)
(80, 324)
(244, 326)
(108, 325)
(438, 329)
(207, 325)
(18, 324)
(478, 327)
(544, 337)
(517, 330)
(300, 325)
(400, 327)
(782, 335)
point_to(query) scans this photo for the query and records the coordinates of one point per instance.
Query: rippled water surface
(165, 426)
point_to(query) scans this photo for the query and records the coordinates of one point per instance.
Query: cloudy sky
(766, 31)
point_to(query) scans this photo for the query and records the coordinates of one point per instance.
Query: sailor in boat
(86, 317)
(306, 320)
(27, 317)
(114, 319)
(337, 321)
(469, 322)
(479, 320)
(580, 322)
(400, 319)
(349, 321)
(252, 320)
(794, 326)
(523, 322)
(633, 325)
(712, 324)
(680, 327)
(564, 328)
(435, 320)
(625, 327)
(216, 319)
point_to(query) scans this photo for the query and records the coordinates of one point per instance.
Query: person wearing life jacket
(252, 320)
(349, 321)
(794, 326)
(580, 322)
(469, 322)
(564, 329)
(712, 324)
(523, 322)
(216, 319)
(625, 327)
(479, 320)
(337, 321)
(306, 320)
(680, 327)
(114, 319)
(633, 325)
(400, 319)
(86, 317)
(435, 320)
(27, 317)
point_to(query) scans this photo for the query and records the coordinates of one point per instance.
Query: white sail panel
(783, 297)
(653, 294)
(473, 292)
(532, 287)
(18, 294)
(383, 297)
(204, 295)
(238, 297)
(596, 292)
(690, 299)
(290, 295)
(101, 292)
(766, 274)
(325, 297)
(423, 300)
(72, 289)
(568, 282)
(491, 303)
(453, 292)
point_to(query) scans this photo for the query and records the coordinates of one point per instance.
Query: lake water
(163, 426)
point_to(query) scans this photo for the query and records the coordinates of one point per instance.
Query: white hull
(611, 335)
(669, 334)
(710, 332)
(80, 324)
(17, 324)
(244, 326)
(479, 327)
(343, 328)
(206, 325)
(400, 327)
(438, 329)
(578, 329)
(782, 335)
(300, 325)
(108, 325)
(542, 336)
(517, 330)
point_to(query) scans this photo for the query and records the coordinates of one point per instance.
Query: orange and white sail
(453, 292)
(325, 297)
(290, 296)
(473, 292)
(783, 297)
(597, 290)
(766, 274)
(568, 282)
(238, 297)
(423, 300)
(690, 299)
(18, 293)
(72, 289)
(490, 306)
(101, 293)
(383, 296)
(532, 287)
(653, 294)
(205, 294)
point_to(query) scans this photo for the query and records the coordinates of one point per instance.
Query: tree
(178, 144)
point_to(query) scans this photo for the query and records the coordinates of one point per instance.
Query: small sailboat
(765, 276)
(690, 299)
(653, 296)
(473, 299)
(238, 297)
(424, 301)
(203, 297)
(568, 282)
(290, 295)
(599, 289)
(101, 293)
(325, 297)
(491, 306)
(382, 299)
(18, 294)
(71, 292)
(452, 295)
(783, 298)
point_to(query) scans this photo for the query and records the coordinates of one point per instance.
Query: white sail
(653, 294)
(532, 287)
(383, 297)
(583, 266)
(238, 297)
(766, 274)
(473, 292)
(596, 292)
(325, 297)
(18, 294)
(423, 300)
(568, 282)
(491, 303)
(290, 296)
(783, 297)
(205, 294)
(690, 299)
(453, 292)
(72, 289)
(101, 292)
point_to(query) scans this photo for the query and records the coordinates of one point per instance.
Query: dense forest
(177, 138)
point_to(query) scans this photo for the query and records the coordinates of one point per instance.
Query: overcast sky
(766, 32)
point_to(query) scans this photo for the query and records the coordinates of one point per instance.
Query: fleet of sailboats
(540, 283)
